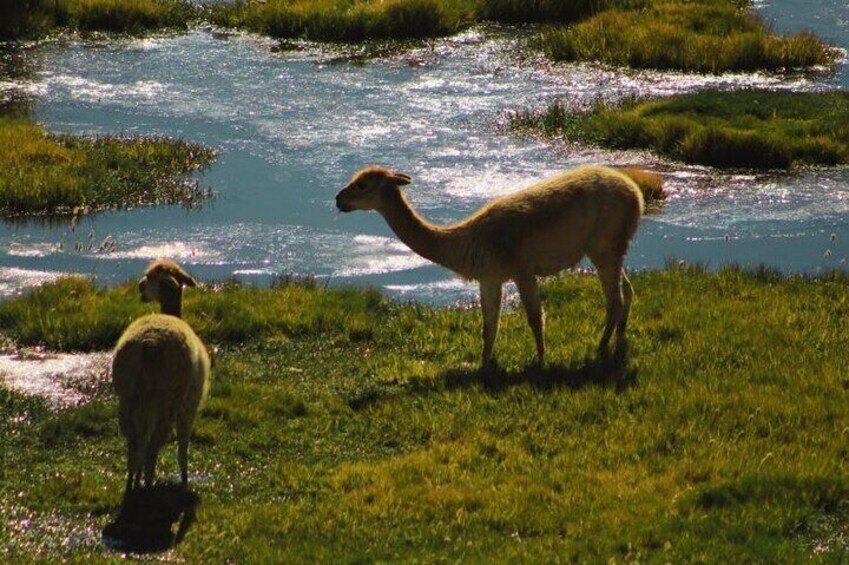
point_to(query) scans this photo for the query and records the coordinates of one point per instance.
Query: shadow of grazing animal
(160, 372)
(591, 211)
(145, 522)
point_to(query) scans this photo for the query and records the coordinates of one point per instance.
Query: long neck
(172, 303)
(432, 242)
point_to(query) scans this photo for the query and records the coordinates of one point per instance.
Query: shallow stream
(292, 126)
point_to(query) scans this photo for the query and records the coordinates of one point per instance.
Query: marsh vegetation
(54, 175)
(710, 36)
(726, 129)
(343, 425)
(28, 19)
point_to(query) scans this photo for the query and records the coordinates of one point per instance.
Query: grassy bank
(29, 19)
(44, 174)
(698, 35)
(346, 427)
(343, 20)
(710, 36)
(740, 129)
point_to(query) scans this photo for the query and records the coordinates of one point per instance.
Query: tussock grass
(710, 36)
(73, 314)
(26, 19)
(720, 437)
(342, 20)
(347, 20)
(548, 11)
(52, 175)
(700, 35)
(740, 129)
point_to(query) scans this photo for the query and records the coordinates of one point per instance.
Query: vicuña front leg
(491, 309)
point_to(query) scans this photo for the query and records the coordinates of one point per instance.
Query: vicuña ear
(400, 179)
(184, 278)
(173, 270)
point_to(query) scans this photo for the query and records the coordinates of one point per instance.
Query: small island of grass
(30, 19)
(54, 175)
(754, 129)
(691, 35)
(710, 36)
(344, 20)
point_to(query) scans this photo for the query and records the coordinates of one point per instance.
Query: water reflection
(292, 128)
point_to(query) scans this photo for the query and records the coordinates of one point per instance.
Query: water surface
(292, 127)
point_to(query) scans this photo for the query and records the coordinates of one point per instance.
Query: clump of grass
(53, 175)
(73, 314)
(720, 438)
(740, 129)
(548, 11)
(357, 20)
(340, 20)
(710, 36)
(26, 19)
(128, 16)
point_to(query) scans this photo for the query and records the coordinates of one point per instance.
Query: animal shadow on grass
(146, 520)
(610, 371)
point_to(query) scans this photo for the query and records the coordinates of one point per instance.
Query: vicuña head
(163, 282)
(591, 211)
(371, 189)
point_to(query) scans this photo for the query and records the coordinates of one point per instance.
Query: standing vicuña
(160, 372)
(590, 211)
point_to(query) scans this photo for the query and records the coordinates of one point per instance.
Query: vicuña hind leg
(611, 284)
(529, 292)
(628, 295)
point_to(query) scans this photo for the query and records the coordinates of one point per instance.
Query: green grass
(343, 20)
(740, 129)
(346, 427)
(709, 36)
(699, 35)
(357, 20)
(52, 175)
(27, 19)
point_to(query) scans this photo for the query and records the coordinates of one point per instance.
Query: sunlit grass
(349, 427)
(46, 174)
(700, 35)
(710, 36)
(739, 129)
(347, 20)
(32, 18)
(342, 20)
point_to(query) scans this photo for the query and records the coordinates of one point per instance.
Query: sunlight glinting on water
(292, 127)
(14, 280)
(62, 379)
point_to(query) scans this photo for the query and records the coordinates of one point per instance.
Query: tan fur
(590, 211)
(160, 372)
